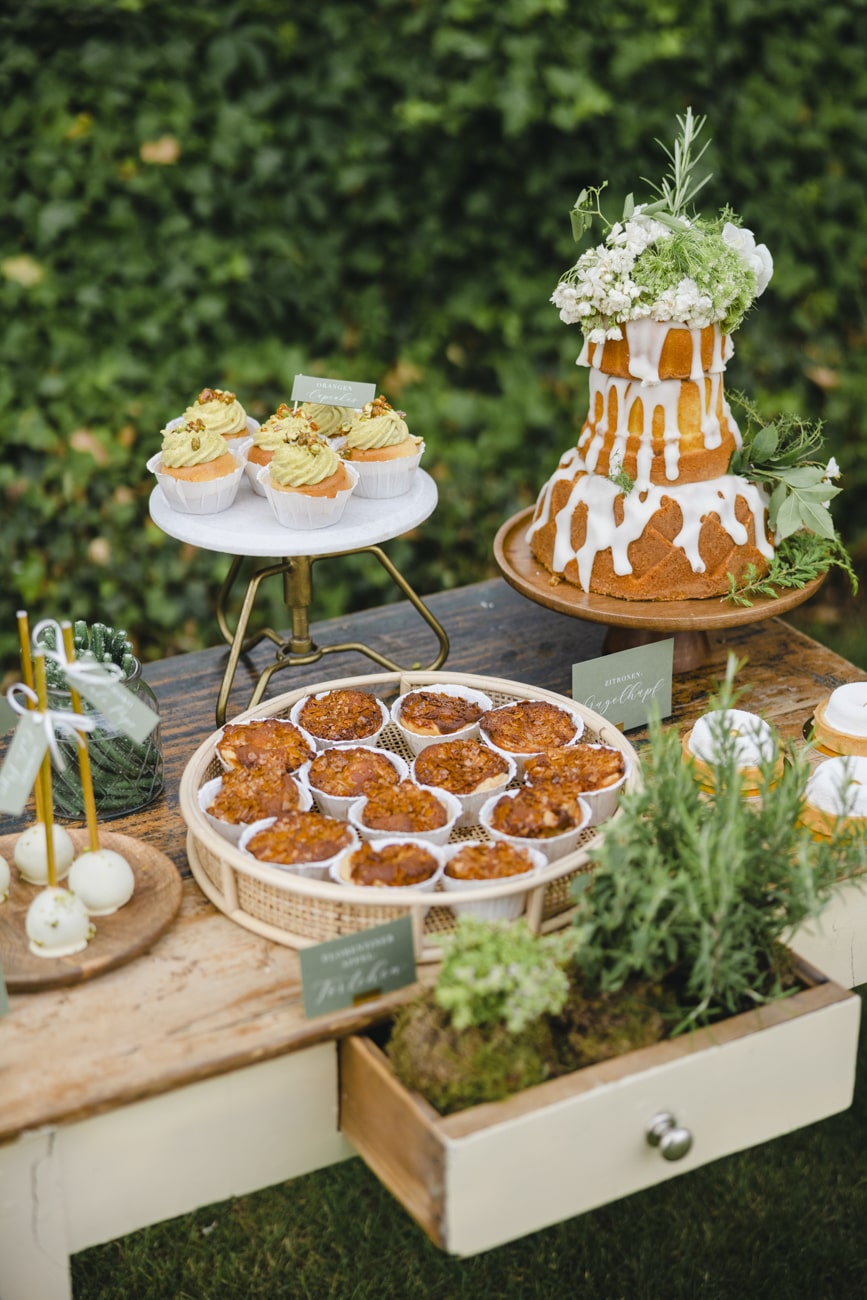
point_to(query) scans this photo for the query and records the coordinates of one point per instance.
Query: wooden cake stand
(635, 622)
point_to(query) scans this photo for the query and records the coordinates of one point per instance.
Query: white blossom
(756, 256)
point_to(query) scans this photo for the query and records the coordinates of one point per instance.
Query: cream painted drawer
(496, 1172)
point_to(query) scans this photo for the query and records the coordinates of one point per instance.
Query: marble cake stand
(635, 622)
(248, 528)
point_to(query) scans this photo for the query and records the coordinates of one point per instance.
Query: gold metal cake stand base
(299, 648)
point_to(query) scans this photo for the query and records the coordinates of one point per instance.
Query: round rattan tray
(299, 912)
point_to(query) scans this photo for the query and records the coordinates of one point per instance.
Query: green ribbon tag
(357, 967)
(116, 702)
(21, 764)
(332, 392)
(4, 996)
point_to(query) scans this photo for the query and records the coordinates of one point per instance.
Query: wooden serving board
(119, 938)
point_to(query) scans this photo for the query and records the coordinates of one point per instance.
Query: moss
(454, 1069)
(596, 1026)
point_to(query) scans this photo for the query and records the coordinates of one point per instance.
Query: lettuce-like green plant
(502, 973)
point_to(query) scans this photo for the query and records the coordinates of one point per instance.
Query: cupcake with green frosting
(307, 483)
(328, 421)
(380, 446)
(220, 411)
(198, 471)
(285, 423)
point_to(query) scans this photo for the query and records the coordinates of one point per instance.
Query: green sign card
(22, 762)
(357, 967)
(4, 997)
(623, 687)
(332, 392)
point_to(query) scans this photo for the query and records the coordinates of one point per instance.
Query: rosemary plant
(697, 890)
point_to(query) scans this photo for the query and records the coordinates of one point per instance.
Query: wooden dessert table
(190, 1074)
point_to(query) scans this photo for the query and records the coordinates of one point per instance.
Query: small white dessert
(5, 876)
(57, 924)
(838, 788)
(31, 857)
(841, 720)
(103, 880)
(846, 709)
(753, 738)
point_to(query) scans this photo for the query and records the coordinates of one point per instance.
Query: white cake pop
(31, 857)
(4, 880)
(57, 924)
(103, 880)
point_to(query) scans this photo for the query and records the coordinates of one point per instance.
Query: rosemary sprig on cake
(797, 560)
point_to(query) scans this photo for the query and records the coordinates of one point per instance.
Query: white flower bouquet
(661, 261)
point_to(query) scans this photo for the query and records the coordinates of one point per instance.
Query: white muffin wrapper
(208, 497)
(298, 510)
(386, 478)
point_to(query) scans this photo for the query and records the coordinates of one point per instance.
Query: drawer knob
(673, 1140)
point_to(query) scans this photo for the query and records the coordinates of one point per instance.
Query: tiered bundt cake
(644, 507)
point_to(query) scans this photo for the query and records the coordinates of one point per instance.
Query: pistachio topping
(191, 443)
(303, 460)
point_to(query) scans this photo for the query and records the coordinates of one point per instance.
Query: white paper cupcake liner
(508, 907)
(386, 478)
(232, 831)
(416, 742)
(318, 870)
(338, 805)
(370, 739)
(552, 846)
(602, 802)
(297, 510)
(204, 498)
(439, 835)
(521, 758)
(340, 867)
(473, 802)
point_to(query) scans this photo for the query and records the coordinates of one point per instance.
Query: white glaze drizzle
(696, 500)
(645, 341)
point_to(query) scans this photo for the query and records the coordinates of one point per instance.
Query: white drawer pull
(664, 1132)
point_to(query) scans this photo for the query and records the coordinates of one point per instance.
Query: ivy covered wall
(228, 194)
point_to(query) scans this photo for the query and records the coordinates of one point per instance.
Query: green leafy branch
(783, 456)
(587, 207)
(797, 560)
(676, 190)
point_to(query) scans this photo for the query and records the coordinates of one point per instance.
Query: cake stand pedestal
(635, 622)
(248, 528)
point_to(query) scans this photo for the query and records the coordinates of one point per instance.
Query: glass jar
(126, 775)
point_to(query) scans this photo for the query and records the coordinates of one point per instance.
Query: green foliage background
(231, 193)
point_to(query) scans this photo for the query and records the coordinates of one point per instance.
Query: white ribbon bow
(52, 721)
(77, 671)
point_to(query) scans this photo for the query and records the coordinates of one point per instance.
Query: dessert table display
(195, 1060)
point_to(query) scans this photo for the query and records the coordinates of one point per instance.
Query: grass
(782, 1220)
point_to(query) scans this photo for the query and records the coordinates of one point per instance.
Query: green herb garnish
(797, 560)
(784, 456)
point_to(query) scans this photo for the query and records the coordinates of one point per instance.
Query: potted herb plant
(671, 1007)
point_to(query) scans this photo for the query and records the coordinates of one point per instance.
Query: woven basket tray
(298, 912)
